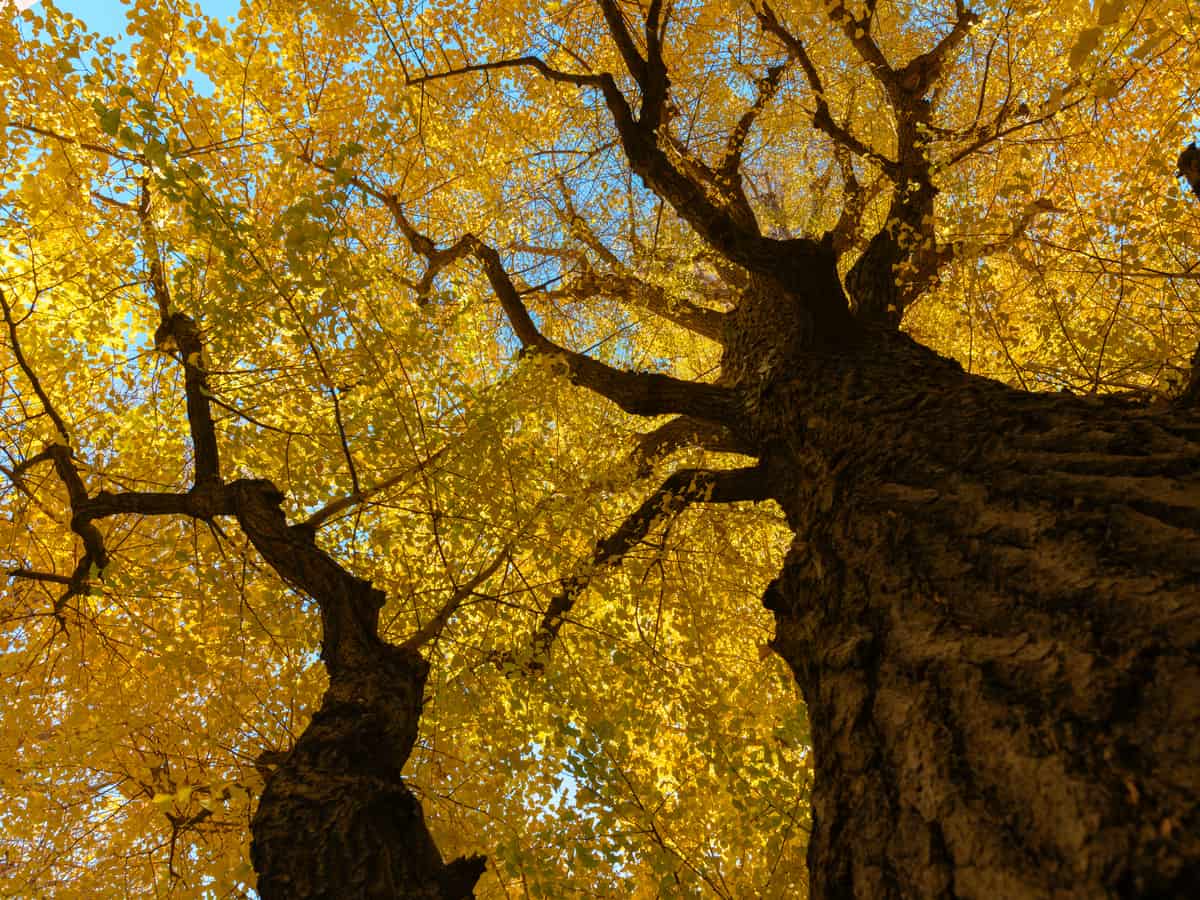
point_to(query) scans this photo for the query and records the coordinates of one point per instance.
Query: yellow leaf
(1086, 43)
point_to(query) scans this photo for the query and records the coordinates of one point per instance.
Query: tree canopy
(459, 280)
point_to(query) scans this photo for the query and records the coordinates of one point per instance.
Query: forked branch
(638, 393)
(178, 332)
(822, 117)
(676, 493)
(680, 432)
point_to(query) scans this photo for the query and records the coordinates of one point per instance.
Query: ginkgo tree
(674, 448)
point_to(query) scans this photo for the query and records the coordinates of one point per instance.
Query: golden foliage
(661, 751)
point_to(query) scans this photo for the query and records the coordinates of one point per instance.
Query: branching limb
(676, 493)
(85, 509)
(60, 454)
(617, 28)
(638, 293)
(720, 216)
(177, 331)
(437, 259)
(203, 502)
(435, 626)
(638, 393)
(329, 510)
(619, 282)
(923, 71)
(997, 129)
(909, 84)
(690, 198)
(683, 431)
(822, 117)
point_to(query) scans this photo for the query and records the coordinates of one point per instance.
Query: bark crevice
(995, 629)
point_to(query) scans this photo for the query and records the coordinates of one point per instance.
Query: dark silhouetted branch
(822, 118)
(178, 332)
(639, 393)
(677, 492)
(42, 396)
(683, 432)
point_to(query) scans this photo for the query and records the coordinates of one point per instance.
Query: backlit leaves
(661, 752)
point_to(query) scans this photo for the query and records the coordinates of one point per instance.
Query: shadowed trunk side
(992, 606)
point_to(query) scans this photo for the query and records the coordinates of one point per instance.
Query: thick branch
(656, 84)
(349, 605)
(722, 223)
(923, 71)
(858, 32)
(615, 20)
(639, 393)
(203, 503)
(179, 332)
(683, 432)
(31, 575)
(703, 321)
(94, 552)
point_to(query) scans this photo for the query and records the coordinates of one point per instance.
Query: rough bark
(992, 607)
(336, 819)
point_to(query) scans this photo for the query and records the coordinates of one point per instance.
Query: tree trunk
(992, 607)
(336, 821)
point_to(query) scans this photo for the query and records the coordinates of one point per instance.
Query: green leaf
(110, 119)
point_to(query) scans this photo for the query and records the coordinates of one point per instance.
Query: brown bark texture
(336, 819)
(992, 607)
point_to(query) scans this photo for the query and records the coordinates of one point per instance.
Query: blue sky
(108, 16)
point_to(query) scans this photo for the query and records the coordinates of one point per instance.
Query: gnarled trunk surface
(336, 821)
(992, 607)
